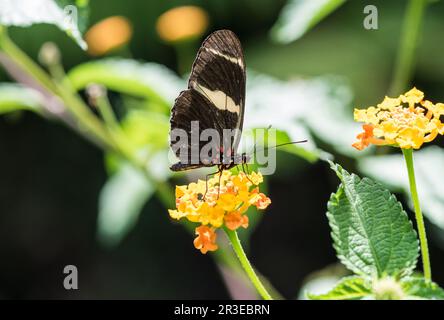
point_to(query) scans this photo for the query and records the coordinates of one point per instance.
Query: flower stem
(101, 134)
(407, 47)
(72, 102)
(88, 123)
(408, 156)
(237, 247)
(107, 113)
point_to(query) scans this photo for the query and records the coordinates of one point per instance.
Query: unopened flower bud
(49, 54)
(388, 289)
(94, 92)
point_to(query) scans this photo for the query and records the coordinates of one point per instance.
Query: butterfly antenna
(286, 143)
(255, 143)
(280, 145)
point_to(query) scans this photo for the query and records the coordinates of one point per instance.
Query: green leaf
(120, 203)
(66, 15)
(296, 99)
(146, 132)
(144, 128)
(317, 107)
(15, 97)
(296, 149)
(350, 288)
(429, 167)
(127, 190)
(321, 281)
(82, 11)
(147, 80)
(299, 16)
(418, 287)
(372, 234)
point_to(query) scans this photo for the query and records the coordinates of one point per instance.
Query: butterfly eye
(199, 196)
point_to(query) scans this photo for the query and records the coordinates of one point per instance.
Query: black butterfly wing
(219, 74)
(191, 106)
(215, 95)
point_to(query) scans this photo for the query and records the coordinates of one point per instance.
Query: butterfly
(214, 100)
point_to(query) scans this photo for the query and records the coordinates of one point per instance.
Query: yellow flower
(235, 220)
(222, 201)
(407, 121)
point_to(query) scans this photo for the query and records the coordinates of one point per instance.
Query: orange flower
(182, 23)
(108, 34)
(215, 205)
(407, 121)
(366, 138)
(261, 201)
(206, 239)
(235, 220)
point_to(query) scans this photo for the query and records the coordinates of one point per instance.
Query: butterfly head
(237, 159)
(245, 158)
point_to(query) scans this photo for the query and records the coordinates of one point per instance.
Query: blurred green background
(51, 178)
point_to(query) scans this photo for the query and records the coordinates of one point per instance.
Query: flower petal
(205, 240)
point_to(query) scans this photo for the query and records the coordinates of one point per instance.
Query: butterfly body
(213, 105)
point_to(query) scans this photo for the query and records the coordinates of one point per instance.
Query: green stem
(237, 247)
(408, 156)
(407, 47)
(107, 113)
(163, 190)
(72, 102)
(85, 118)
(94, 127)
(21, 59)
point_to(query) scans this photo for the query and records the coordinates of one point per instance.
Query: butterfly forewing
(215, 96)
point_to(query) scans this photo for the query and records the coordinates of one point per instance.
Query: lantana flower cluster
(221, 201)
(407, 121)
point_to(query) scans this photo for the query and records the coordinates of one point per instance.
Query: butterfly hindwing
(191, 106)
(216, 93)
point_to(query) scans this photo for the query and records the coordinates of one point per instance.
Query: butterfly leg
(220, 177)
(246, 171)
(206, 182)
